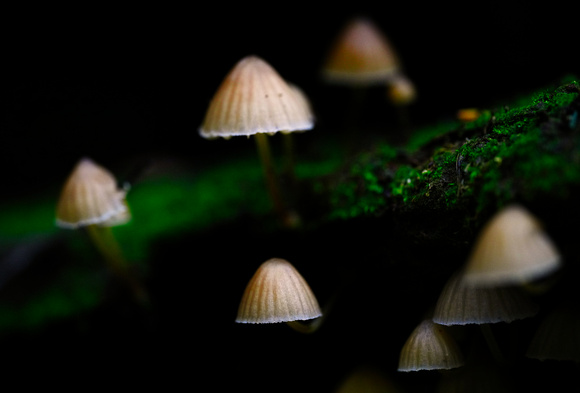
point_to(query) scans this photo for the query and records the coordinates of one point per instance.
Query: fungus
(253, 99)
(511, 248)
(90, 199)
(361, 55)
(368, 379)
(278, 293)
(430, 347)
(460, 304)
(91, 196)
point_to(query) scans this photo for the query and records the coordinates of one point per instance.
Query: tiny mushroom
(90, 199)
(254, 100)
(512, 248)
(91, 196)
(460, 304)
(278, 293)
(430, 347)
(361, 56)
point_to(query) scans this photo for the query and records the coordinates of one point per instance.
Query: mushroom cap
(367, 378)
(361, 55)
(253, 98)
(511, 248)
(277, 293)
(430, 347)
(90, 196)
(460, 303)
(401, 90)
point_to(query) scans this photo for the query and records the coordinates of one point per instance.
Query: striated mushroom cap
(91, 196)
(460, 303)
(253, 98)
(277, 293)
(361, 55)
(430, 347)
(512, 248)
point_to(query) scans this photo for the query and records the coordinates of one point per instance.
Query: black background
(118, 82)
(123, 83)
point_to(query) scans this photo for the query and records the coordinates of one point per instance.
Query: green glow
(159, 206)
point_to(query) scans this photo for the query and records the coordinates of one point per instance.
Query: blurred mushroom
(430, 347)
(361, 56)
(278, 293)
(253, 99)
(460, 304)
(90, 199)
(512, 248)
(367, 378)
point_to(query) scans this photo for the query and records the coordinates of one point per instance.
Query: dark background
(121, 84)
(118, 82)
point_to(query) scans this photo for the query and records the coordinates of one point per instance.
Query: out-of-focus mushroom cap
(400, 90)
(367, 378)
(512, 248)
(430, 347)
(91, 196)
(460, 303)
(361, 55)
(277, 293)
(252, 99)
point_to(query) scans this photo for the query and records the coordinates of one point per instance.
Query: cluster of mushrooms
(512, 250)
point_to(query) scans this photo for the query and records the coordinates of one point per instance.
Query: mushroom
(361, 56)
(253, 99)
(90, 199)
(430, 347)
(367, 378)
(461, 303)
(278, 293)
(512, 248)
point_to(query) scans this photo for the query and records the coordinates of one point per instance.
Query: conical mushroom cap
(430, 347)
(511, 248)
(90, 196)
(253, 98)
(277, 293)
(460, 304)
(362, 55)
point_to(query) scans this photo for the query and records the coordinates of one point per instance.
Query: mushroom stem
(287, 218)
(289, 150)
(492, 344)
(306, 326)
(103, 239)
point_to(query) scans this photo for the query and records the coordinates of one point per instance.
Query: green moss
(160, 207)
(516, 151)
(523, 150)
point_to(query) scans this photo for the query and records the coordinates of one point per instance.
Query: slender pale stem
(263, 146)
(103, 239)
